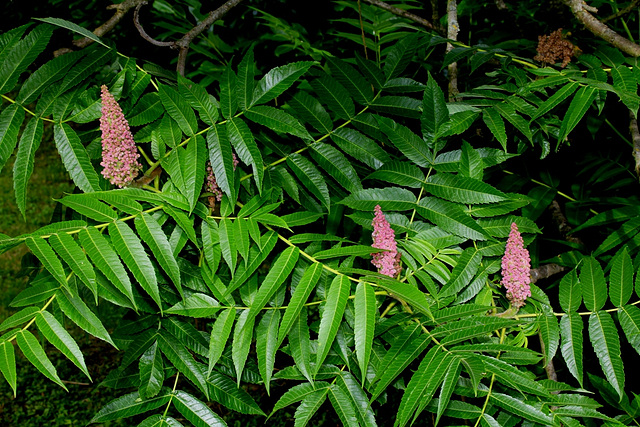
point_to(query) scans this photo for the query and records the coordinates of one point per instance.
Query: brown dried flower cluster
(553, 48)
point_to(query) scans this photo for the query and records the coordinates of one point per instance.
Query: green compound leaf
(34, 352)
(331, 317)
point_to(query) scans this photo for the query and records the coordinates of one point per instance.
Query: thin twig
(364, 40)
(143, 33)
(622, 12)
(582, 12)
(405, 14)
(635, 137)
(563, 224)
(545, 271)
(185, 41)
(121, 10)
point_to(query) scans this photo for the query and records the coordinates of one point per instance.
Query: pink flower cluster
(387, 262)
(516, 266)
(211, 185)
(119, 153)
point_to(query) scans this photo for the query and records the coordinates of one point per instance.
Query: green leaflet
(130, 405)
(336, 165)
(571, 328)
(399, 56)
(245, 145)
(277, 120)
(267, 344)
(196, 411)
(560, 95)
(577, 109)
(11, 119)
(278, 273)
(225, 391)
(180, 357)
(187, 169)
(358, 398)
(389, 199)
(604, 338)
(17, 319)
(34, 352)
(151, 372)
(550, 334)
(219, 335)
(594, 287)
(456, 188)
(310, 177)
(228, 97)
(494, 122)
(221, 158)
(299, 343)
(23, 166)
(621, 278)
(309, 406)
(351, 79)
(331, 317)
(75, 158)
(311, 111)
(54, 332)
(464, 270)
(302, 291)
(8, 364)
(199, 99)
(343, 406)
(242, 337)
(246, 80)
(448, 384)
(106, 259)
(435, 116)
(151, 232)
(360, 147)
(402, 106)
(423, 384)
(399, 173)
(277, 80)
(72, 254)
(410, 144)
(178, 109)
(129, 247)
(89, 207)
(518, 407)
(196, 305)
(73, 27)
(450, 217)
(48, 258)
(21, 55)
(335, 96)
(76, 310)
(365, 319)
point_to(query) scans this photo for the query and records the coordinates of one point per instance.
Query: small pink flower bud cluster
(388, 262)
(211, 185)
(119, 153)
(516, 266)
